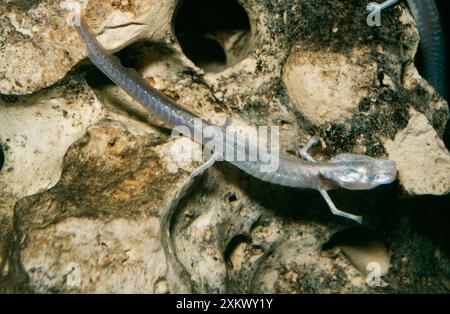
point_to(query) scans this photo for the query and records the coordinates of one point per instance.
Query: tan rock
(75, 258)
(423, 160)
(37, 130)
(96, 195)
(46, 26)
(327, 86)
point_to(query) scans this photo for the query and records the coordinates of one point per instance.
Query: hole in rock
(214, 35)
(233, 245)
(362, 247)
(231, 197)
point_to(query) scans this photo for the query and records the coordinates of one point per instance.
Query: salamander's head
(359, 172)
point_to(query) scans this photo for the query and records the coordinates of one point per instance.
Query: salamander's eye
(349, 177)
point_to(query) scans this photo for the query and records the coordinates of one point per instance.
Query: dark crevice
(214, 35)
(233, 244)
(2, 157)
(231, 197)
(354, 236)
(447, 135)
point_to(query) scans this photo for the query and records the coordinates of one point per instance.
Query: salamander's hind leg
(208, 164)
(215, 154)
(336, 211)
(304, 151)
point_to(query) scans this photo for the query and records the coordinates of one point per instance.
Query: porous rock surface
(96, 195)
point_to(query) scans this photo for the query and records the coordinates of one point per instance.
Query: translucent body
(349, 171)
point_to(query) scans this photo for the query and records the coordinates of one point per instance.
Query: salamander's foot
(336, 211)
(304, 151)
(208, 164)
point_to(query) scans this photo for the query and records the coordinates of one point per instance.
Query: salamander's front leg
(336, 211)
(304, 153)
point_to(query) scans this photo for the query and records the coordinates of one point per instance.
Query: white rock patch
(38, 132)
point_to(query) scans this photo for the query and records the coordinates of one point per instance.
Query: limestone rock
(319, 81)
(423, 160)
(96, 195)
(32, 29)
